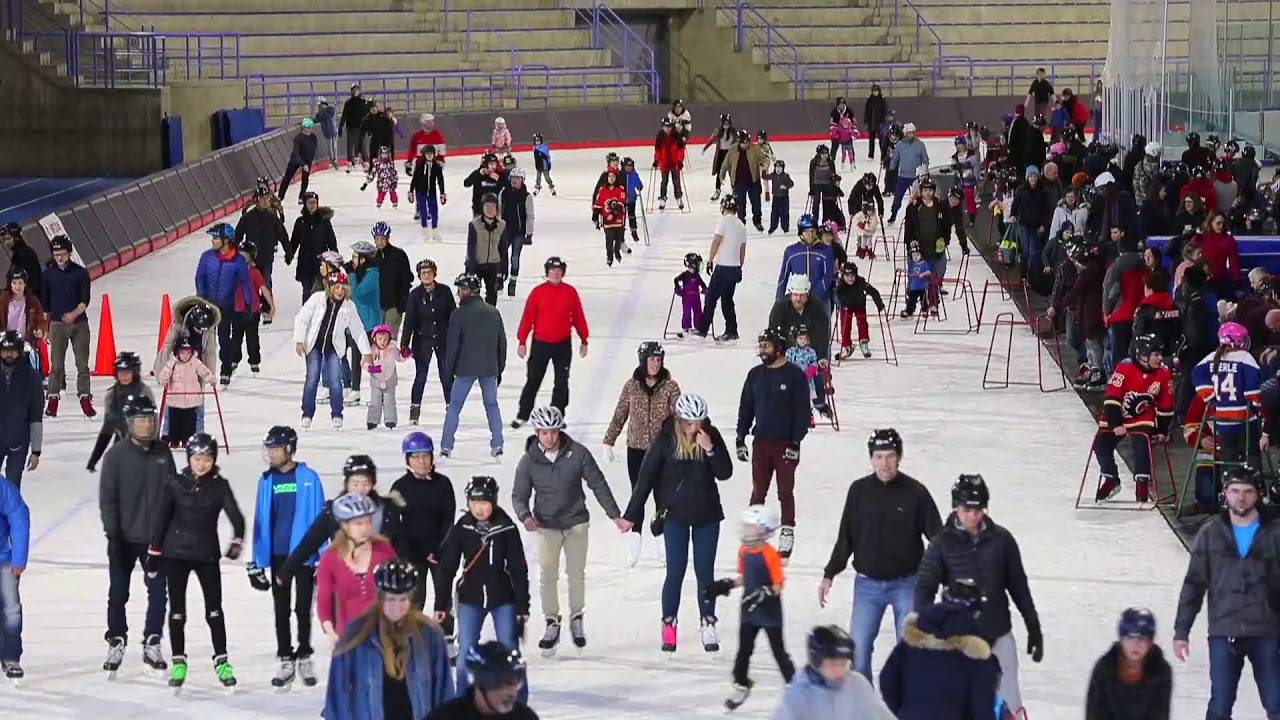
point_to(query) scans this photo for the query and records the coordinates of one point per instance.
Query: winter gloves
(1035, 644)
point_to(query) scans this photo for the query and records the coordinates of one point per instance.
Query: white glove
(609, 454)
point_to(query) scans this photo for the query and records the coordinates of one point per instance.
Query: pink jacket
(386, 359)
(341, 595)
(184, 382)
(501, 138)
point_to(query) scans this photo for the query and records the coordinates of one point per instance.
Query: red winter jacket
(427, 137)
(551, 312)
(668, 151)
(1223, 256)
(603, 196)
(1203, 188)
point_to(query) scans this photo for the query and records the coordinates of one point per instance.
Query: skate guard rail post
(750, 25)
(612, 32)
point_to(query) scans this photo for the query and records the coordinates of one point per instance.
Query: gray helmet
(352, 506)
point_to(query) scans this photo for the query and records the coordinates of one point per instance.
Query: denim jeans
(122, 557)
(676, 537)
(901, 186)
(511, 246)
(870, 599)
(1226, 664)
(471, 622)
(458, 397)
(10, 615)
(938, 266)
(1029, 247)
(331, 365)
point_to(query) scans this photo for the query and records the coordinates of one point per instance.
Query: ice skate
(1142, 488)
(285, 675)
(115, 656)
(86, 406)
(12, 672)
(255, 369)
(669, 636)
(351, 398)
(372, 426)
(51, 409)
(738, 696)
(536, 190)
(550, 637)
(710, 638)
(680, 204)
(153, 656)
(178, 674)
(415, 412)
(446, 452)
(511, 287)
(862, 253)
(786, 542)
(305, 671)
(337, 423)
(634, 542)
(1108, 488)
(759, 227)
(727, 338)
(578, 631)
(846, 352)
(305, 423)
(715, 195)
(495, 453)
(518, 423)
(426, 235)
(865, 347)
(662, 203)
(391, 426)
(635, 238)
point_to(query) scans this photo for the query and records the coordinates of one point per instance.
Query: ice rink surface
(1084, 566)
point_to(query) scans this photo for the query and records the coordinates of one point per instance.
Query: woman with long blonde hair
(344, 576)
(391, 661)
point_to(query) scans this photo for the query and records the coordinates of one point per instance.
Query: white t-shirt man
(732, 248)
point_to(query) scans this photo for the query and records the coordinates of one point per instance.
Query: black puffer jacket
(993, 560)
(490, 555)
(265, 229)
(1110, 698)
(187, 525)
(482, 184)
(386, 522)
(426, 319)
(312, 235)
(686, 489)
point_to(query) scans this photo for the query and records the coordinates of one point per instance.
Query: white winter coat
(306, 326)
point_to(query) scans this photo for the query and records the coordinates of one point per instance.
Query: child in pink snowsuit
(382, 372)
(383, 172)
(501, 141)
(690, 287)
(845, 134)
(183, 377)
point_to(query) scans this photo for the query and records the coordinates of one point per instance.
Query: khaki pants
(390, 317)
(59, 334)
(573, 543)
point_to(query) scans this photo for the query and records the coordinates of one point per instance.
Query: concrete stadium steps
(832, 54)
(365, 64)
(530, 40)
(813, 15)
(288, 22)
(1038, 50)
(507, 5)
(857, 35)
(510, 20)
(354, 42)
(255, 6)
(1015, 15)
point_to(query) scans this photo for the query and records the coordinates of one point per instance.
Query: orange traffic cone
(105, 364)
(166, 319)
(44, 357)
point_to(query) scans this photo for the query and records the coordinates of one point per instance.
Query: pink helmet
(832, 227)
(1057, 149)
(382, 329)
(1233, 334)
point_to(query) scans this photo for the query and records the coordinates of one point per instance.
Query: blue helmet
(1137, 622)
(961, 140)
(381, 230)
(223, 231)
(417, 442)
(806, 222)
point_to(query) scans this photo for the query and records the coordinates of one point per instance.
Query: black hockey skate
(577, 631)
(115, 656)
(285, 675)
(550, 637)
(153, 656)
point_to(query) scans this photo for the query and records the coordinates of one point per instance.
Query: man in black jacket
(873, 114)
(354, 111)
(21, 419)
(64, 292)
(380, 128)
(305, 144)
(886, 556)
(21, 255)
(426, 327)
(395, 278)
(774, 408)
(517, 212)
(973, 546)
(263, 227)
(130, 493)
(1032, 211)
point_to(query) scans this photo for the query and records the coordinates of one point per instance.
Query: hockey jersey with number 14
(1232, 386)
(1138, 399)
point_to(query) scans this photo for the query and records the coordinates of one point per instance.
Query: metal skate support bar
(897, 290)
(890, 350)
(962, 273)
(1007, 319)
(829, 390)
(1166, 500)
(1005, 294)
(217, 403)
(669, 334)
(962, 290)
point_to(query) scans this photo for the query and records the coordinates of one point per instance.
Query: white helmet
(763, 517)
(798, 284)
(1153, 149)
(499, 121)
(909, 127)
(364, 247)
(427, 118)
(547, 417)
(516, 173)
(691, 407)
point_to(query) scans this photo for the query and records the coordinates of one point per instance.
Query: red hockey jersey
(1138, 399)
(607, 193)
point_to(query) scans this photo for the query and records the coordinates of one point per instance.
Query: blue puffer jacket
(816, 261)
(355, 677)
(308, 505)
(219, 278)
(15, 526)
(942, 669)
(634, 186)
(366, 293)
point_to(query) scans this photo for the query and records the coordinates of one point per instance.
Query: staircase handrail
(608, 27)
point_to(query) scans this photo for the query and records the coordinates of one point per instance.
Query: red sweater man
(427, 135)
(552, 313)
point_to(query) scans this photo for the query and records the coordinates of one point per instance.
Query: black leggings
(635, 456)
(282, 587)
(747, 645)
(176, 573)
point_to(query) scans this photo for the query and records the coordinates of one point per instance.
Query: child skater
(382, 404)
(245, 325)
(852, 291)
(501, 141)
(690, 287)
(542, 165)
(183, 379)
(634, 187)
(762, 139)
(128, 374)
(426, 188)
(955, 212)
(801, 354)
(383, 170)
(610, 213)
(827, 687)
(668, 159)
(865, 225)
(780, 184)
(919, 280)
(761, 579)
(965, 164)
(845, 134)
(829, 234)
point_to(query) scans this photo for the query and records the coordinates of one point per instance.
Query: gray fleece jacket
(908, 155)
(559, 501)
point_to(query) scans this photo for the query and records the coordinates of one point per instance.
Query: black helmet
(1242, 475)
(200, 318)
(488, 158)
(138, 405)
(13, 229)
(666, 123)
(11, 341)
(202, 444)
(779, 164)
(359, 465)
(956, 192)
(725, 118)
(727, 203)
(743, 137)
(869, 179)
(1137, 622)
(848, 267)
(799, 329)
(248, 247)
(970, 491)
(1193, 139)
(467, 281)
(693, 261)
(508, 160)
(822, 150)
(183, 343)
(493, 665)
(650, 349)
(489, 198)
(17, 273)
(126, 360)
(971, 125)
(1144, 345)
(281, 436)
(611, 157)
(482, 487)
(555, 262)
(628, 161)
(927, 184)
(762, 135)
(1213, 141)
(537, 138)
(885, 439)
(1249, 152)
(426, 264)
(396, 577)
(1139, 142)
(963, 592)
(775, 337)
(60, 243)
(829, 642)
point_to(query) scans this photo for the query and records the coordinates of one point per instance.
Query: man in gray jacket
(476, 352)
(553, 469)
(130, 491)
(1234, 559)
(908, 156)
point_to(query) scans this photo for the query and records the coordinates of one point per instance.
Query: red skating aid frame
(1170, 499)
(1005, 286)
(1007, 319)
(829, 390)
(217, 404)
(888, 348)
(962, 291)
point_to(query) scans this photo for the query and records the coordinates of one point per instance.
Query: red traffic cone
(166, 319)
(44, 357)
(105, 364)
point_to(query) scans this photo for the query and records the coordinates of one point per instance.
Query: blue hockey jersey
(816, 261)
(1231, 387)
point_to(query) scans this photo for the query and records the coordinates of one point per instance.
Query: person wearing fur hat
(312, 236)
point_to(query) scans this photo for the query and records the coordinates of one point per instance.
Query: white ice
(1085, 566)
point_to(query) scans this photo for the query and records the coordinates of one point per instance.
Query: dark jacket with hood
(993, 560)
(354, 111)
(942, 669)
(381, 130)
(481, 184)
(427, 510)
(131, 490)
(1244, 592)
(1159, 316)
(386, 522)
(860, 193)
(874, 111)
(426, 318)
(813, 316)
(929, 247)
(686, 489)
(1084, 298)
(113, 424)
(23, 256)
(559, 501)
(395, 277)
(854, 295)
(1110, 698)
(1199, 317)
(312, 235)
(21, 407)
(187, 523)
(265, 229)
(491, 558)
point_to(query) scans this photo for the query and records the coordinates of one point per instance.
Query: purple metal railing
(778, 51)
(609, 30)
(922, 26)
(855, 78)
(142, 59)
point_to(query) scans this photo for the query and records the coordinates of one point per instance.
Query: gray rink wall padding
(129, 221)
